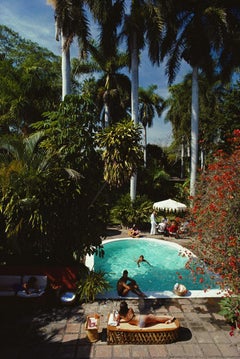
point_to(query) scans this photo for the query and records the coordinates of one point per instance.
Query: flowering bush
(216, 213)
(230, 310)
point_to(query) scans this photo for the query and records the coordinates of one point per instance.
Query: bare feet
(170, 320)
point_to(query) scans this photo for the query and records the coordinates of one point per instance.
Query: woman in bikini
(127, 315)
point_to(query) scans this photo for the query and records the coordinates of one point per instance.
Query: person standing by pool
(126, 284)
(153, 223)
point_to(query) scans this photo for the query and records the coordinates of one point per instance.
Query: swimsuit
(142, 321)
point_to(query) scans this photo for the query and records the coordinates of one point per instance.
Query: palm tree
(230, 52)
(150, 104)
(199, 32)
(23, 167)
(70, 21)
(113, 86)
(107, 60)
(143, 25)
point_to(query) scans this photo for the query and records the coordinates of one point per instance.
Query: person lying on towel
(127, 315)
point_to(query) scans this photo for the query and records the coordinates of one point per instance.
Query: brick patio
(58, 332)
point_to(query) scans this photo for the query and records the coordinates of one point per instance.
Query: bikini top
(130, 318)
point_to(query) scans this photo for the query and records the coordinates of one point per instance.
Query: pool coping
(207, 293)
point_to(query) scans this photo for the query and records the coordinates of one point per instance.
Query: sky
(34, 20)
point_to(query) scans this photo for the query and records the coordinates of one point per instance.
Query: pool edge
(209, 293)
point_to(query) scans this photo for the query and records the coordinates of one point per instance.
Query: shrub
(129, 213)
(92, 284)
(216, 214)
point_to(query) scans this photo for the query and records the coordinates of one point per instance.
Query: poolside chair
(126, 333)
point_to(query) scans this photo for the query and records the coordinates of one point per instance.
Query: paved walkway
(59, 332)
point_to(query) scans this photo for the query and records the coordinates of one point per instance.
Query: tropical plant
(199, 34)
(228, 62)
(212, 102)
(70, 21)
(150, 104)
(92, 284)
(23, 169)
(42, 204)
(143, 25)
(128, 213)
(30, 82)
(113, 87)
(122, 152)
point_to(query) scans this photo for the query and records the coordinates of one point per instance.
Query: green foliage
(230, 309)
(48, 190)
(216, 101)
(150, 104)
(71, 131)
(92, 284)
(129, 213)
(122, 152)
(155, 183)
(30, 82)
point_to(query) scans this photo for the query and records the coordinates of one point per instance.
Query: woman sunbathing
(127, 315)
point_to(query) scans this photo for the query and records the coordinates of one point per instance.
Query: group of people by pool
(167, 228)
(127, 315)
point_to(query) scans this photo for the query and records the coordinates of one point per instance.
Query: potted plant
(92, 284)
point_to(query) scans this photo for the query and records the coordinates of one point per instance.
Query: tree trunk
(145, 147)
(182, 159)
(194, 131)
(66, 69)
(134, 105)
(106, 109)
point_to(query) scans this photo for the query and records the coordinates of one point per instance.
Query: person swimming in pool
(127, 315)
(126, 284)
(142, 259)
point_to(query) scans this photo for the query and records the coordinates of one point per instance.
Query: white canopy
(169, 205)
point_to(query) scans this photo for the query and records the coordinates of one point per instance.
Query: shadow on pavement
(39, 333)
(184, 334)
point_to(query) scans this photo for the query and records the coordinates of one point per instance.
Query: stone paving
(58, 332)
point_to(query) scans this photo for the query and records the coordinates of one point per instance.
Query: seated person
(173, 228)
(127, 315)
(126, 284)
(142, 259)
(162, 227)
(184, 227)
(134, 232)
(31, 286)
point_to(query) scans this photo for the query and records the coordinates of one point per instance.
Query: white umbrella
(169, 205)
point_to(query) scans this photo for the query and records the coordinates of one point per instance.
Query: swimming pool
(167, 266)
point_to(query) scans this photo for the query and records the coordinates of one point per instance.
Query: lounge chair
(126, 333)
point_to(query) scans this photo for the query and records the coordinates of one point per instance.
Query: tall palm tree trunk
(66, 68)
(194, 131)
(134, 104)
(145, 148)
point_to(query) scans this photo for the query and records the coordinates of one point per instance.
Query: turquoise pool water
(167, 265)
